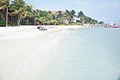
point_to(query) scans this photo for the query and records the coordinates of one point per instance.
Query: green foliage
(80, 14)
(21, 10)
(4, 4)
(101, 22)
(77, 21)
(2, 23)
(12, 24)
(72, 12)
(23, 14)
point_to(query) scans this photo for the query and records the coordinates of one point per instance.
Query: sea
(85, 54)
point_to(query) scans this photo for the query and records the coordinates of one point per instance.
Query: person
(41, 28)
(38, 27)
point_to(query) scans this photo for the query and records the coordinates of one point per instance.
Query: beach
(25, 50)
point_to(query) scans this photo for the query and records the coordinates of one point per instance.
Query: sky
(101, 10)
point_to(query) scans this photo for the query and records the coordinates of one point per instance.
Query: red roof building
(55, 12)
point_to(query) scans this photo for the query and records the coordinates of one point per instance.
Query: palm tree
(27, 13)
(80, 14)
(4, 4)
(20, 9)
(72, 13)
(49, 18)
(67, 16)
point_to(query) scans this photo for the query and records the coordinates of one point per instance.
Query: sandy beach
(25, 50)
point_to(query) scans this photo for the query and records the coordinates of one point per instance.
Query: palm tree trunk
(27, 22)
(34, 21)
(19, 20)
(6, 17)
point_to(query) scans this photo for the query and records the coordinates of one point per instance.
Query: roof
(55, 12)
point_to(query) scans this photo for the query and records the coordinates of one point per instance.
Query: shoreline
(29, 31)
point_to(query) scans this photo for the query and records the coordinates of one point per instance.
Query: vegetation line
(17, 12)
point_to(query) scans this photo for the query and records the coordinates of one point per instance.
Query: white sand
(24, 51)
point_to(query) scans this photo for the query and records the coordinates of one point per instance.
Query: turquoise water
(86, 54)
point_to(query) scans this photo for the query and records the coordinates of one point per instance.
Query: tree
(80, 14)
(101, 22)
(28, 14)
(59, 14)
(72, 12)
(68, 15)
(22, 13)
(4, 4)
(21, 9)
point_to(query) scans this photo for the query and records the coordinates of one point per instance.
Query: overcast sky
(102, 10)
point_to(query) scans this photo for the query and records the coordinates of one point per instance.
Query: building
(112, 25)
(55, 12)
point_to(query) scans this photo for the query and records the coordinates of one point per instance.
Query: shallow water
(85, 54)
